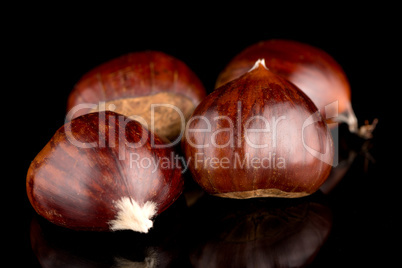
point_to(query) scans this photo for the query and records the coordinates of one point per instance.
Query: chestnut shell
(77, 187)
(301, 139)
(131, 83)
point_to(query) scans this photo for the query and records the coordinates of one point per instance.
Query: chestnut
(311, 69)
(258, 136)
(103, 171)
(152, 87)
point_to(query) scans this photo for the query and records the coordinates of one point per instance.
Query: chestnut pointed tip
(132, 216)
(257, 64)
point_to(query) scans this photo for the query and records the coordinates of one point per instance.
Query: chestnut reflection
(55, 246)
(259, 233)
(348, 149)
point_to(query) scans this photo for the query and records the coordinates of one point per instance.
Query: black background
(51, 50)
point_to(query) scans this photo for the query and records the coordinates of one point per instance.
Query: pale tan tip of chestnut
(132, 216)
(262, 193)
(258, 63)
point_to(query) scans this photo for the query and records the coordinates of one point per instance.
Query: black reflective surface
(214, 232)
(351, 222)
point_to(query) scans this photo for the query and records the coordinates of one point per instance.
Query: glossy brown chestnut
(311, 69)
(103, 171)
(258, 136)
(130, 84)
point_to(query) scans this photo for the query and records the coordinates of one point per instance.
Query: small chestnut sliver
(103, 171)
(258, 136)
